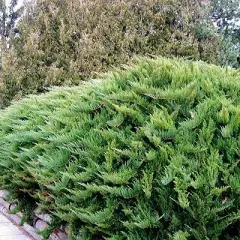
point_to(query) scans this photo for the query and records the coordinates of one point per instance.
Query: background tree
(8, 17)
(3, 19)
(226, 16)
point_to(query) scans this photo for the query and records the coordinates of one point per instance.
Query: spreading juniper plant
(149, 152)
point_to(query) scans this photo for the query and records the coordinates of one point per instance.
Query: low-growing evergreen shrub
(152, 152)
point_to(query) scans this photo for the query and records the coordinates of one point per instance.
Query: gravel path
(8, 231)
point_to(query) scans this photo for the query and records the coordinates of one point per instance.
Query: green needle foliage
(150, 152)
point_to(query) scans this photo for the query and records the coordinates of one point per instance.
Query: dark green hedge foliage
(65, 42)
(152, 152)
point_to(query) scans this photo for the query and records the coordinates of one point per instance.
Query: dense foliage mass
(63, 42)
(151, 152)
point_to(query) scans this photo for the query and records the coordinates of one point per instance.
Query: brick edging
(42, 222)
(15, 220)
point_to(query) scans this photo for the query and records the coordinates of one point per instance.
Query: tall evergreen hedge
(151, 152)
(65, 42)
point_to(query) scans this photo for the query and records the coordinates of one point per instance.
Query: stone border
(22, 230)
(42, 221)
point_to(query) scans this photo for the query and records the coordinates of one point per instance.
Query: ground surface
(8, 231)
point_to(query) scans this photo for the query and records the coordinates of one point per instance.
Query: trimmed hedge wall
(152, 152)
